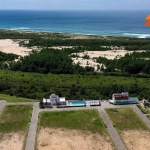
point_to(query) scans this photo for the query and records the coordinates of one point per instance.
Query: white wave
(137, 35)
(80, 33)
(20, 28)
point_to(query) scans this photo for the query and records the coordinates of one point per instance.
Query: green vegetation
(94, 44)
(144, 110)
(15, 118)
(9, 98)
(16, 34)
(125, 119)
(56, 61)
(134, 63)
(71, 86)
(130, 73)
(86, 120)
(6, 58)
(47, 61)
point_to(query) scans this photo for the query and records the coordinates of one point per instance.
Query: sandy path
(12, 141)
(136, 139)
(62, 139)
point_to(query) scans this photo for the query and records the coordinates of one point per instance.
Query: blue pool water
(80, 103)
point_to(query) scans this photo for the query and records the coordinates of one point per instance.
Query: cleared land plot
(134, 133)
(73, 130)
(14, 123)
(9, 98)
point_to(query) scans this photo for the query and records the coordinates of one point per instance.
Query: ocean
(106, 23)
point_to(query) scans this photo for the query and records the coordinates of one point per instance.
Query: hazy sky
(76, 4)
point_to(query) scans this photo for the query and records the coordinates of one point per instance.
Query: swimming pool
(77, 103)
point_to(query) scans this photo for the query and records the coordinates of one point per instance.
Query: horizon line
(77, 9)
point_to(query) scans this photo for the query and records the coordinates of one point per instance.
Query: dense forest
(49, 61)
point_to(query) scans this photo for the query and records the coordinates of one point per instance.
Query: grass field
(125, 119)
(9, 98)
(15, 118)
(14, 123)
(86, 120)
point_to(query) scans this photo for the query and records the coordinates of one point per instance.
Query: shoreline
(125, 35)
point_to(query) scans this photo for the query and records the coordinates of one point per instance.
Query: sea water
(106, 23)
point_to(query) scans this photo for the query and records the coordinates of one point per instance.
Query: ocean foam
(137, 35)
(20, 28)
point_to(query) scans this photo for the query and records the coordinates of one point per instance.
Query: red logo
(147, 21)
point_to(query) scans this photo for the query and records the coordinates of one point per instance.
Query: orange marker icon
(147, 21)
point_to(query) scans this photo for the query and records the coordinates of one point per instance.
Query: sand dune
(109, 54)
(9, 46)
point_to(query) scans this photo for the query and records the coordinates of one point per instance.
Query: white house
(54, 100)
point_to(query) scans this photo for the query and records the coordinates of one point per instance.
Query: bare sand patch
(109, 54)
(81, 36)
(10, 46)
(12, 141)
(63, 139)
(136, 139)
(61, 47)
(86, 62)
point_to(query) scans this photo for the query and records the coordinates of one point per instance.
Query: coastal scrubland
(133, 131)
(71, 86)
(14, 123)
(55, 65)
(64, 129)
